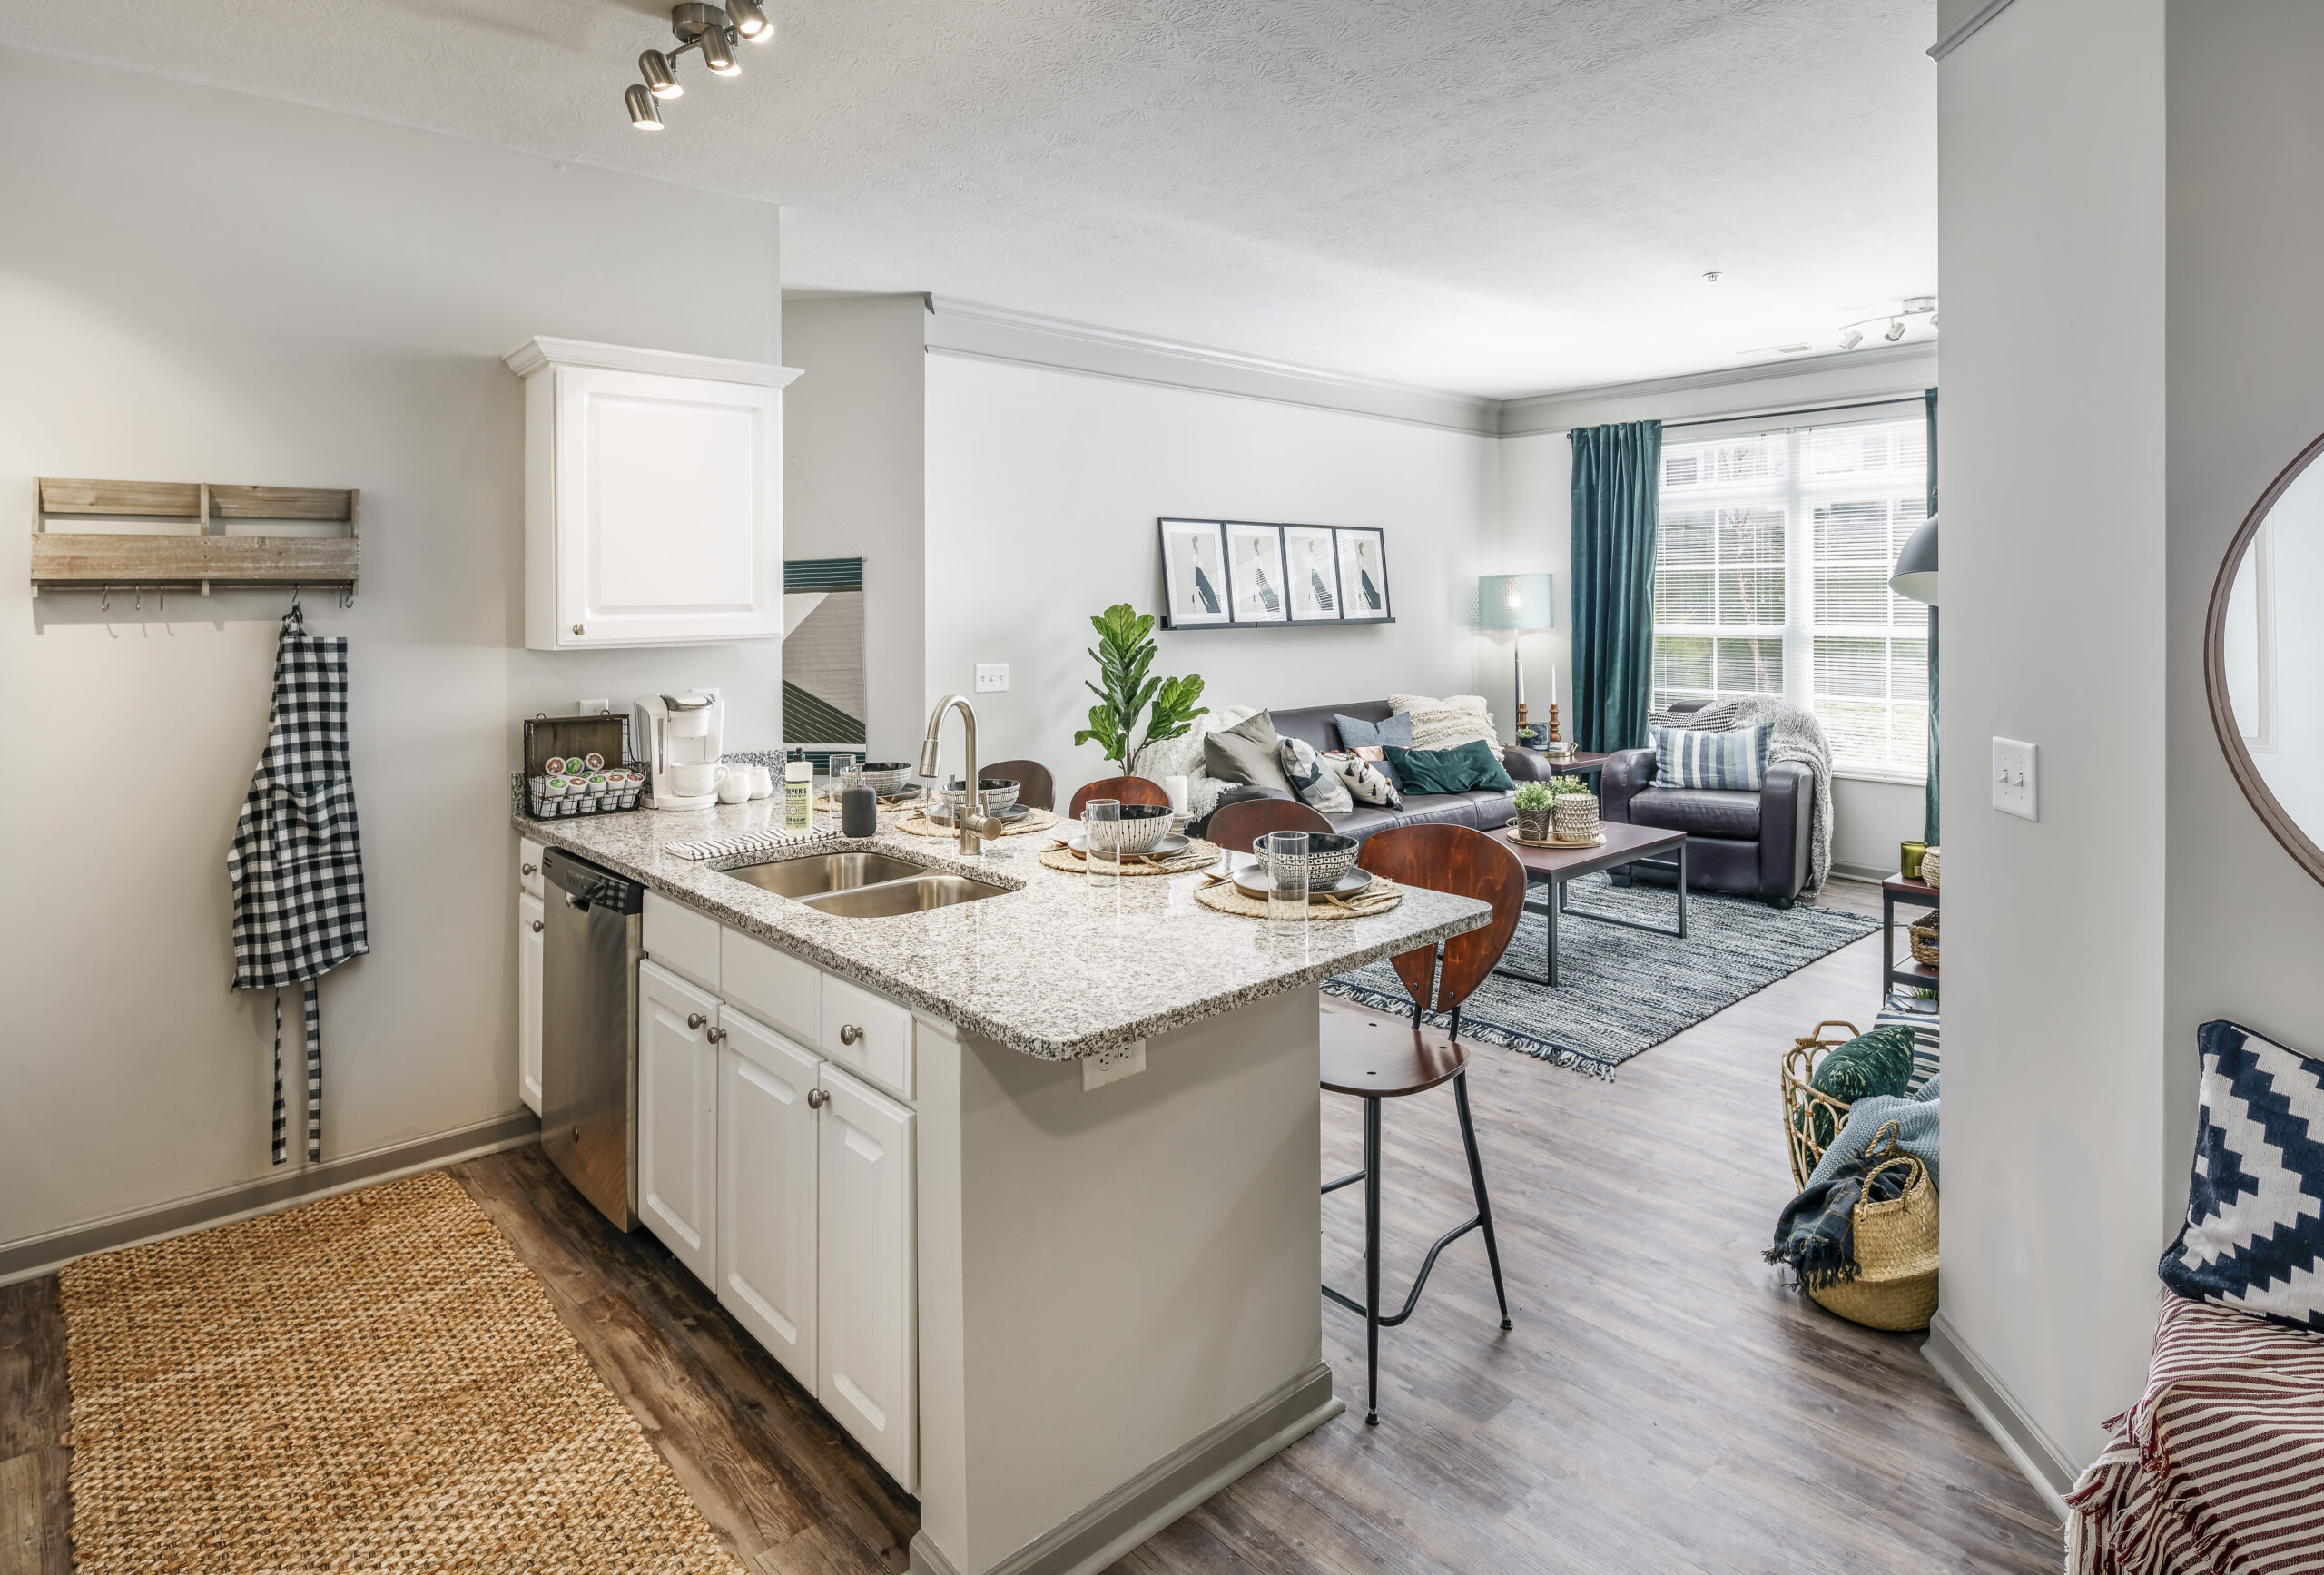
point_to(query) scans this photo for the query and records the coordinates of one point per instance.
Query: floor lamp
(1519, 603)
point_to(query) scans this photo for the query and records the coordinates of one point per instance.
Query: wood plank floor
(1662, 1405)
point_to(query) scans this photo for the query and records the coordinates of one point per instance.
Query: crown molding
(1957, 19)
(981, 332)
(1880, 370)
(536, 353)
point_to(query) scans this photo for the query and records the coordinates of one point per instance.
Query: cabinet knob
(536, 926)
(849, 1033)
(694, 1019)
(525, 868)
(576, 628)
(817, 1099)
(714, 1035)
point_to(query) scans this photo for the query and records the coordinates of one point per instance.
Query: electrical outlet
(2014, 779)
(592, 707)
(992, 677)
(1112, 1066)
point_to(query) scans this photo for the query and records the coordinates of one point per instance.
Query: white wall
(2051, 164)
(1532, 532)
(853, 430)
(1043, 489)
(213, 287)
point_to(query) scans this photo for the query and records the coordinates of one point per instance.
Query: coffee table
(1554, 867)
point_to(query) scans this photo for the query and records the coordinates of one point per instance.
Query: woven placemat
(917, 824)
(1380, 896)
(372, 1382)
(1199, 854)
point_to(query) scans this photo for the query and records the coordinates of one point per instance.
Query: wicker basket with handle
(1896, 1248)
(1803, 1102)
(1930, 862)
(1924, 936)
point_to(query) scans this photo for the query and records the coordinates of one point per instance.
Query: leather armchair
(1754, 844)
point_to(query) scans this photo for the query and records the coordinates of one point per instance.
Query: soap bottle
(798, 791)
(858, 806)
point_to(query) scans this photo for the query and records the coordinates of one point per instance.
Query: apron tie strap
(314, 1019)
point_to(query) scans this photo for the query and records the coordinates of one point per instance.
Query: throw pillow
(1471, 767)
(1248, 752)
(1444, 723)
(1365, 783)
(1315, 783)
(1879, 1062)
(1357, 733)
(1733, 758)
(2254, 1231)
(1182, 756)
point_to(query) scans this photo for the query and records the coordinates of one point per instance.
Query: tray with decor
(1597, 841)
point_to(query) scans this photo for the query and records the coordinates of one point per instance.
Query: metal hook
(165, 599)
(104, 600)
(294, 596)
(137, 601)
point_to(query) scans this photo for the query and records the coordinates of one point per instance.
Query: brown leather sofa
(1754, 844)
(1483, 810)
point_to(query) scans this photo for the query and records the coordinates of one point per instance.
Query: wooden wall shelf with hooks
(95, 560)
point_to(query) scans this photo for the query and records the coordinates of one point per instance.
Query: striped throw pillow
(1693, 757)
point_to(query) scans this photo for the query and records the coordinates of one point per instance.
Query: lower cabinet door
(677, 1118)
(530, 919)
(865, 1371)
(766, 1189)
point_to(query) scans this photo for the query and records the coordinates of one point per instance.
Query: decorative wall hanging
(1239, 573)
(204, 543)
(824, 693)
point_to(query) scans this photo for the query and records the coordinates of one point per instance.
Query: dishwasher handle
(586, 885)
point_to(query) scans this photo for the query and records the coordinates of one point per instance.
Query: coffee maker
(679, 738)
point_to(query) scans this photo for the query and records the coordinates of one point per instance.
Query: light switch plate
(992, 677)
(2014, 779)
(1112, 1066)
(592, 707)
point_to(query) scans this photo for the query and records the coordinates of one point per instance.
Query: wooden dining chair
(1035, 789)
(1130, 790)
(1374, 1058)
(1236, 826)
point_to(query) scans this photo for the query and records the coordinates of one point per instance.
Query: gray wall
(218, 288)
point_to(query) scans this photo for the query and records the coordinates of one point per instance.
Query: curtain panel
(1617, 479)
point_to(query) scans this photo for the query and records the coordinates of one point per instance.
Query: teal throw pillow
(1879, 1062)
(1472, 767)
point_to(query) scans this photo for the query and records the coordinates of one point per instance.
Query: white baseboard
(1998, 1413)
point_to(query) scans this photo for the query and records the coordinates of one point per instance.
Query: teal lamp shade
(1514, 602)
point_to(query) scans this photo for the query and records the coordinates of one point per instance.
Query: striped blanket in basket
(2219, 1467)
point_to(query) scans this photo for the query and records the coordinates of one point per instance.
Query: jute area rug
(1622, 991)
(373, 1383)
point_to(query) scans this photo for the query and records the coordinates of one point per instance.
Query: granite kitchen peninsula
(1023, 1188)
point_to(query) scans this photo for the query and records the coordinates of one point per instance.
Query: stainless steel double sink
(865, 885)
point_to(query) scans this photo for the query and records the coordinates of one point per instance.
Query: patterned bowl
(999, 794)
(1144, 825)
(1329, 856)
(885, 776)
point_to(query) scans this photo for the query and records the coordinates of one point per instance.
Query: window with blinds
(1771, 578)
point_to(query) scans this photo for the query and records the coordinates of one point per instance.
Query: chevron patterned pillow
(2254, 1233)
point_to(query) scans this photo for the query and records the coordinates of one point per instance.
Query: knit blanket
(1916, 1132)
(1795, 735)
(1817, 1234)
(2217, 1466)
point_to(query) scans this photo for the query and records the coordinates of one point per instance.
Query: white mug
(762, 782)
(733, 784)
(694, 781)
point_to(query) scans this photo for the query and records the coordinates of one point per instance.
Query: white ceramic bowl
(1142, 826)
(1329, 856)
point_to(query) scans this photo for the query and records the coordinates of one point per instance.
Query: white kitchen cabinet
(767, 1093)
(653, 496)
(530, 919)
(677, 1118)
(866, 1371)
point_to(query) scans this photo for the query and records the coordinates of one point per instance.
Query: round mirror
(2264, 662)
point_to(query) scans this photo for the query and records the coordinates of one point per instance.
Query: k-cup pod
(555, 766)
(597, 762)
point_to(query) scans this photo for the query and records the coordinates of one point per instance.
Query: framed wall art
(1194, 574)
(1254, 570)
(1364, 573)
(1310, 571)
(1234, 573)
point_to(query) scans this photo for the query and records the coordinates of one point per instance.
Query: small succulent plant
(1532, 798)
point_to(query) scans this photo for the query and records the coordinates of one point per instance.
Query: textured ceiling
(1492, 196)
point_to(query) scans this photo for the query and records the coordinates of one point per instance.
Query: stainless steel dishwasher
(589, 1030)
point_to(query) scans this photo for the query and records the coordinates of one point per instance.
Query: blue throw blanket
(1915, 1119)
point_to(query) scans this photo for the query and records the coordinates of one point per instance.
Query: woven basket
(1801, 1100)
(1575, 816)
(1896, 1251)
(1928, 866)
(1924, 934)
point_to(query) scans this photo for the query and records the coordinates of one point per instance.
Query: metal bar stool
(1376, 1059)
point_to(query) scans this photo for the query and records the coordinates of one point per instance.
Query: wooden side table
(1913, 894)
(1592, 766)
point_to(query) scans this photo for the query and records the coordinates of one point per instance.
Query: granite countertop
(1061, 967)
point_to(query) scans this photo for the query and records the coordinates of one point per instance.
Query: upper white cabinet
(653, 496)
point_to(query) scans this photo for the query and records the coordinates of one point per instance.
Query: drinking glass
(1285, 854)
(1101, 837)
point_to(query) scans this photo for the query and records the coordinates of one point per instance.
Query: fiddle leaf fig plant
(1128, 695)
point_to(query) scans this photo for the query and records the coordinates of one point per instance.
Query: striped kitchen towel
(2216, 1468)
(769, 842)
(1733, 758)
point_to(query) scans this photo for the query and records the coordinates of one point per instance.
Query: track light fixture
(709, 30)
(1898, 321)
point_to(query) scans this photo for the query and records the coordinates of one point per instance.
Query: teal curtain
(1928, 810)
(1617, 477)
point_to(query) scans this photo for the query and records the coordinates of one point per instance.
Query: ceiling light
(1851, 338)
(643, 115)
(750, 21)
(1895, 330)
(717, 54)
(660, 80)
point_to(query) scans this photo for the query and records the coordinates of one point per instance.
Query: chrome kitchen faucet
(975, 825)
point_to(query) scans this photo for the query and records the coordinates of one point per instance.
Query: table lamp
(1518, 602)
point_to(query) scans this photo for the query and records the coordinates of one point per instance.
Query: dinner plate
(1009, 816)
(1251, 883)
(1169, 847)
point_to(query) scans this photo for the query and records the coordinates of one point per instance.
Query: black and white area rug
(1620, 990)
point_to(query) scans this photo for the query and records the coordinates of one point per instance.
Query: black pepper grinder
(858, 806)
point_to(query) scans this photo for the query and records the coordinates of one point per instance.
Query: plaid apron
(296, 864)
